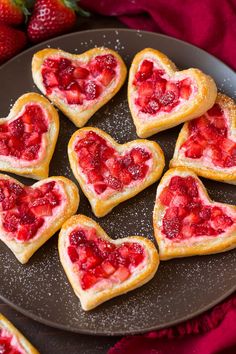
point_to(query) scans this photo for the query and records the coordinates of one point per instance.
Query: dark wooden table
(46, 339)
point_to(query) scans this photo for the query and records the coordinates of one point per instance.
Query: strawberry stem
(72, 4)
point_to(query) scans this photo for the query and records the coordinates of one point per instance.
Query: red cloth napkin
(211, 333)
(209, 24)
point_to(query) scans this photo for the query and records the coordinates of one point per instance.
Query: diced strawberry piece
(8, 203)
(100, 187)
(88, 280)
(4, 150)
(168, 98)
(160, 87)
(26, 118)
(49, 78)
(222, 222)
(26, 215)
(94, 176)
(41, 207)
(205, 213)
(171, 223)
(107, 76)
(16, 128)
(92, 90)
(63, 63)
(138, 171)
(73, 254)
(80, 73)
(185, 92)
(187, 231)
(180, 200)
(124, 251)
(92, 261)
(15, 143)
(91, 234)
(166, 196)
(108, 268)
(172, 87)
(74, 94)
(23, 233)
(51, 63)
(33, 139)
(106, 61)
(45, 188)
(194, 151)
(146, 89)
(139, 155)
(77, 237)
(230, 161)
(215, 111)
(121, 274)
(11, 221)
(65, 80)
(113, 182)
(125, 177)
(145, 70)
(136, 254)
(95, 68)
(114, 167)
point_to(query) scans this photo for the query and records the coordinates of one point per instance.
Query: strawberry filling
(155, 93)
(5, 344)
(22, 137)
(209, 139)
(24, 209)
(98, 259)
(105, 168)
(76, 81)
(186, 215)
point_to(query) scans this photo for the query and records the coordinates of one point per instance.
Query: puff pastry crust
(19, 339)
(102, 205)
(78, 114)
(36, 169)
(94, 296)
(199, 166)
(197, 104)
(24, 250)
(198, 245)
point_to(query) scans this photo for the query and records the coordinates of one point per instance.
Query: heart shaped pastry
(12, 341)
(160, 97)
(110, 173)
(187, 222)
(29, 216)
(28, 137)
(207, 144)
(100, 268)
(79, 84)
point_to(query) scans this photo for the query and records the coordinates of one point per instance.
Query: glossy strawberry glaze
(24, 210)
(8, 343)
(209, 140)
(188, 215)
(107, 170)
(78, 82)
(156, 92)
(99, 260)
(21, 138)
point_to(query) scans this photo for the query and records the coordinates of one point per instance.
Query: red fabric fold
(209, 24)
(211, 333)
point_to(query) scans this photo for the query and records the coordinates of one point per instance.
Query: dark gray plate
(182, 288)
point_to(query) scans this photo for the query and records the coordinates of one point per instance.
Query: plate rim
(86, 331)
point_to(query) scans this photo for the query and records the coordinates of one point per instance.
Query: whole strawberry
(12, 12)
(12, 41)
(51, 18)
